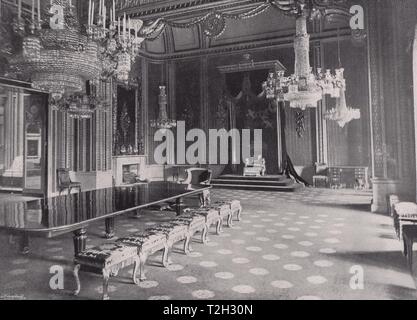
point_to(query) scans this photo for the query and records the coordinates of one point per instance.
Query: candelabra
(163, 122)
(118, 46)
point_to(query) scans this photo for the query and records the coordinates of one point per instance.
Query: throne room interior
(327, 211)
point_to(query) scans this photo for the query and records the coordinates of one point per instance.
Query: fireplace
(131, 173)
(127, 168)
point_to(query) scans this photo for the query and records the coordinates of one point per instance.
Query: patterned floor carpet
(311, 244)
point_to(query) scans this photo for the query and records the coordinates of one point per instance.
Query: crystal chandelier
(304, 88)
(163, 122)
(59, 55)
(58, 60)
(118, 46)
(342, 114)
(124, 66)
(79, 106)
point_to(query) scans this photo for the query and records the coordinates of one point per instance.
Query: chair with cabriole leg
(65, 182)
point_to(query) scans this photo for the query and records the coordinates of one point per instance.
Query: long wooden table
(52, 217)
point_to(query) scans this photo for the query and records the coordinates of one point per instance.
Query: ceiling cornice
(245, 47)
(179, 9)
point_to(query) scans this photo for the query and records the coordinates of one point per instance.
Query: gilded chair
(65, 182)
(254, 167)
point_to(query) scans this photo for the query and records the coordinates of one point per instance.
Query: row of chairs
(110, 258)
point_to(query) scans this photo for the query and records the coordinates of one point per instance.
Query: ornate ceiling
(179, 8)
(179, 28)
(182, 28)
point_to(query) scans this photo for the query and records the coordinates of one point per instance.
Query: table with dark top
(51, 217)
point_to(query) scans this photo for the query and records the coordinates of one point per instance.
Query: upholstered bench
(409, 237)
(211, 216)
(224, 212)
(174, 233)
(392, 201)
(404, 213)
(147, 244)
(235, 206)
(107, 258)
(196, 223)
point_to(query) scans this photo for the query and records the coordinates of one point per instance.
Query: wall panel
(155, 79)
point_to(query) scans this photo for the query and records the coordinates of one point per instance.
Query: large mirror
(22, 140)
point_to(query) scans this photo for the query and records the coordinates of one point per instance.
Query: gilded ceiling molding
(318, 8)
(211, 20)
(286, 41)
(213, 23)
(148, 9)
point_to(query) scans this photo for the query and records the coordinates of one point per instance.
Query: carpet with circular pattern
(304, 245)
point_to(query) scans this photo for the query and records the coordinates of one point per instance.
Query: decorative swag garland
(214, 23)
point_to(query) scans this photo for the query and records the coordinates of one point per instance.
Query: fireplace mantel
(120, 161)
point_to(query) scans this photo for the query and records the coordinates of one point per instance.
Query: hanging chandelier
(118, 46)
(304, 88)
(163, 122)
(58, 60)
(59, 54)
(342, 114)
(79, 106)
